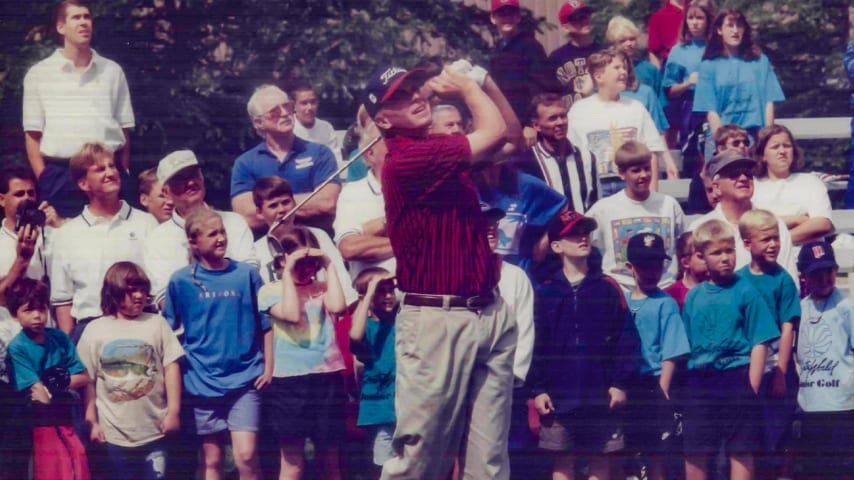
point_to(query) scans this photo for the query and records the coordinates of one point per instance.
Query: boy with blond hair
(761, 235)
(635, 209)
(728, 325)
(602, 121)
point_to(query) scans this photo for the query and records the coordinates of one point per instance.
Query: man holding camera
(21, 242)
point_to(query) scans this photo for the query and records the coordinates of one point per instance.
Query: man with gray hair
(447, 119)
(305, 165)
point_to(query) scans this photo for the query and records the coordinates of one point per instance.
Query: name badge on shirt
(304, 162)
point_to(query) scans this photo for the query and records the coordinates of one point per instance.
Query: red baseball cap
(496, 4)
(568, 221)
(570, 9)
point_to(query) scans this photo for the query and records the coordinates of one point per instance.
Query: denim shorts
(239, 411)
(382, 435)
(146, 462)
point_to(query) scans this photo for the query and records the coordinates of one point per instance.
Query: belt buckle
(476, 303)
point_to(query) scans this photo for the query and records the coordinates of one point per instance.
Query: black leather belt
(448, 301)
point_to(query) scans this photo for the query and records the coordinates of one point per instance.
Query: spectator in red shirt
(663, 29)
(455, 339)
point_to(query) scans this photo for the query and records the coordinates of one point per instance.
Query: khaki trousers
(453, 392)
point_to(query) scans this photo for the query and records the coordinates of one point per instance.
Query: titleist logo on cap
(386, 76)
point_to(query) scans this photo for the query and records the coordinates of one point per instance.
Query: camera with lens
(28, 213)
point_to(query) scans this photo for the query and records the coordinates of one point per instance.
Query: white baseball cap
(173, 163)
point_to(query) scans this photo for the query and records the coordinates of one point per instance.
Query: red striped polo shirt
(437, 231)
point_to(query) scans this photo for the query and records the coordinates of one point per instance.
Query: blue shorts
(239, 411)
(721, 408)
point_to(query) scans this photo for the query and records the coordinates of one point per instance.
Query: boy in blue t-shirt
(45, 364)
(372, 341)
(826, 359)
(761, 235)
(656, 318)
(728, 325)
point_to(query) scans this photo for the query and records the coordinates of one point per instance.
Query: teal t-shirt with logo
(725, 322)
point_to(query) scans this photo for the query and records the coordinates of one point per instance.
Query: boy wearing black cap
(662, 341)
(826, 359)
(581, 362)
(728, 325)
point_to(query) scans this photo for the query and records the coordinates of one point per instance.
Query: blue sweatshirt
(580, 349)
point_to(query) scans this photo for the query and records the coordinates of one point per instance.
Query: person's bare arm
(288, 308)
(172, 380)
(321, 204)
(653, 59)
(25, 248)
(757, 365)
(489, 125)
(64, 320)
(33, 141)
(96, 433)
(365, 248)
(784, 356)
(245, 206)
(676, 91)
(714, 121)
(769, 113)
(333, 300)
(79, 380)
(667, 369)
(123, 156)
(811, 229)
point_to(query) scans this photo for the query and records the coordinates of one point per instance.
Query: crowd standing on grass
(497, 291)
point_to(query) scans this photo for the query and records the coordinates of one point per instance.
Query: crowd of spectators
(493, 288)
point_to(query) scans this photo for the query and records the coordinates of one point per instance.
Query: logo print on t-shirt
(128, 369)
(815, 342)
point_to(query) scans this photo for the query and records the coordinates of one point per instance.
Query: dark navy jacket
(583, 344)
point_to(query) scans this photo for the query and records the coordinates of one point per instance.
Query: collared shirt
(71, 107)
(582, 191)
(37, 269)
(323, 133)
(305, 167)
(167, 248)
(437, 231)
(88, 245)
(270, 275)
(360, 202)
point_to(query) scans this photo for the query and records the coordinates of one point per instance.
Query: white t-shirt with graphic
(127, 359)
(620, 218)
(593, 122)
(825, 358)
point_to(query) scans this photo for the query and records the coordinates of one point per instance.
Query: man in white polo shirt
(107, 231)
(308, 126)
(360, 226)
(167, 249)
(73, 97)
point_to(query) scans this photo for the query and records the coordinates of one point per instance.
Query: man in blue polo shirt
(305, 165)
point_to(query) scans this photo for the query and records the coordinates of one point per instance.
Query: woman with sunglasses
(799, 199)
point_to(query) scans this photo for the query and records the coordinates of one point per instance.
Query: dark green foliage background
(192, 64)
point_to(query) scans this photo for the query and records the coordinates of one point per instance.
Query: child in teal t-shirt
(663, 341)
(45, 365)
(728, 325)
(760, 231)
(372, 341)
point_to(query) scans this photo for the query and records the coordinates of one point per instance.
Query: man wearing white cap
(107, 231)
(167, 249)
